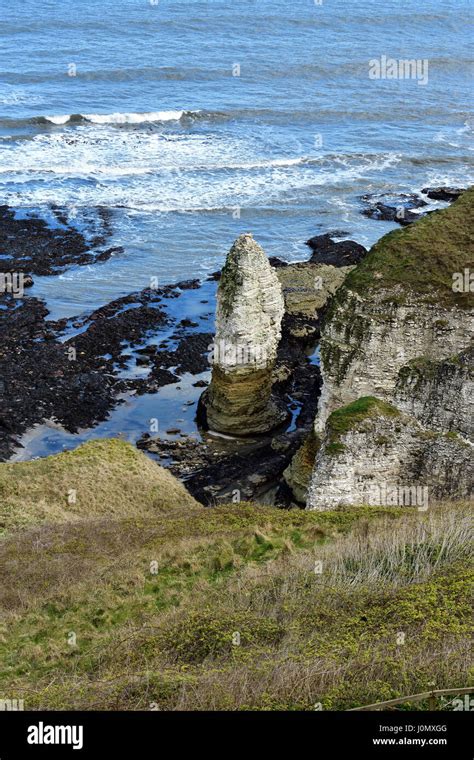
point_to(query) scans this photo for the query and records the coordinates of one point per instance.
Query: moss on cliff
(420, 260)
(231, 279)
(347, 418)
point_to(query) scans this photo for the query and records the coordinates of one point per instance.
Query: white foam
(94, 164)
(120, 118)
(58, 119)
(133, 118)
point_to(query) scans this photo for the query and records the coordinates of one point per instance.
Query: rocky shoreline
(77, 371)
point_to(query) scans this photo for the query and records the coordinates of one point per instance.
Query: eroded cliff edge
(399, 333)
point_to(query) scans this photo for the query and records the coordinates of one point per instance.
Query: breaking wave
(99, 118)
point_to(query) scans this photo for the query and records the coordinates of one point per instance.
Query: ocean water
(155, 125)
(196, 120)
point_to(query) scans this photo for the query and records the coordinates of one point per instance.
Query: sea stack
(250, 308)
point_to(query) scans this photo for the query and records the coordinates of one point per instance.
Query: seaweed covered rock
(339, 254)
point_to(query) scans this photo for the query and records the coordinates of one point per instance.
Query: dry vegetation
(108, 477)
(164, 636)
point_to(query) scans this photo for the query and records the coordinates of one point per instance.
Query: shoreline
(89, 376)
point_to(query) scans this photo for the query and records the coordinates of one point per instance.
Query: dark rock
(400, 214)
(395, 207)
(33, 246)
(276, 262)
(39, 380)
(342, 254)
(213, 469)
(190, 355)
(188, 285)
(443, 193)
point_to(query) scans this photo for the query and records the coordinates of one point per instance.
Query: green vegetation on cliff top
(222, 609)
(421, 258)
(346, 418)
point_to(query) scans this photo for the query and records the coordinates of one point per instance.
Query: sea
(196, 120)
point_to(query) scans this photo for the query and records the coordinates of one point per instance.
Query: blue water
(289, 144)
(188, 156)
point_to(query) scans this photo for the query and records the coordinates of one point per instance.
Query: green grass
(155, 603)
(349, 417)
(102, 477)
(420, 259)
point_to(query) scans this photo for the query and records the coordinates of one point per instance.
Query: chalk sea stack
(250, 309)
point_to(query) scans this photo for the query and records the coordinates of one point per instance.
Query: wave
(99, 118)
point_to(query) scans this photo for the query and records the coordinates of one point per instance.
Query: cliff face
(440, 394)
(374, 454)
(250, 308)
(397, 330)
(367, 341)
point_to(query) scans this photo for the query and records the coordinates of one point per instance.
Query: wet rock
(190, 355)
(44, 376)
(342, 254)
(33, 246)
(400, 214)
(443, 193)
(395, 207)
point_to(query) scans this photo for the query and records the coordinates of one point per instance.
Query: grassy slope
(109, 477)
(165, 637)
(421, 258)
